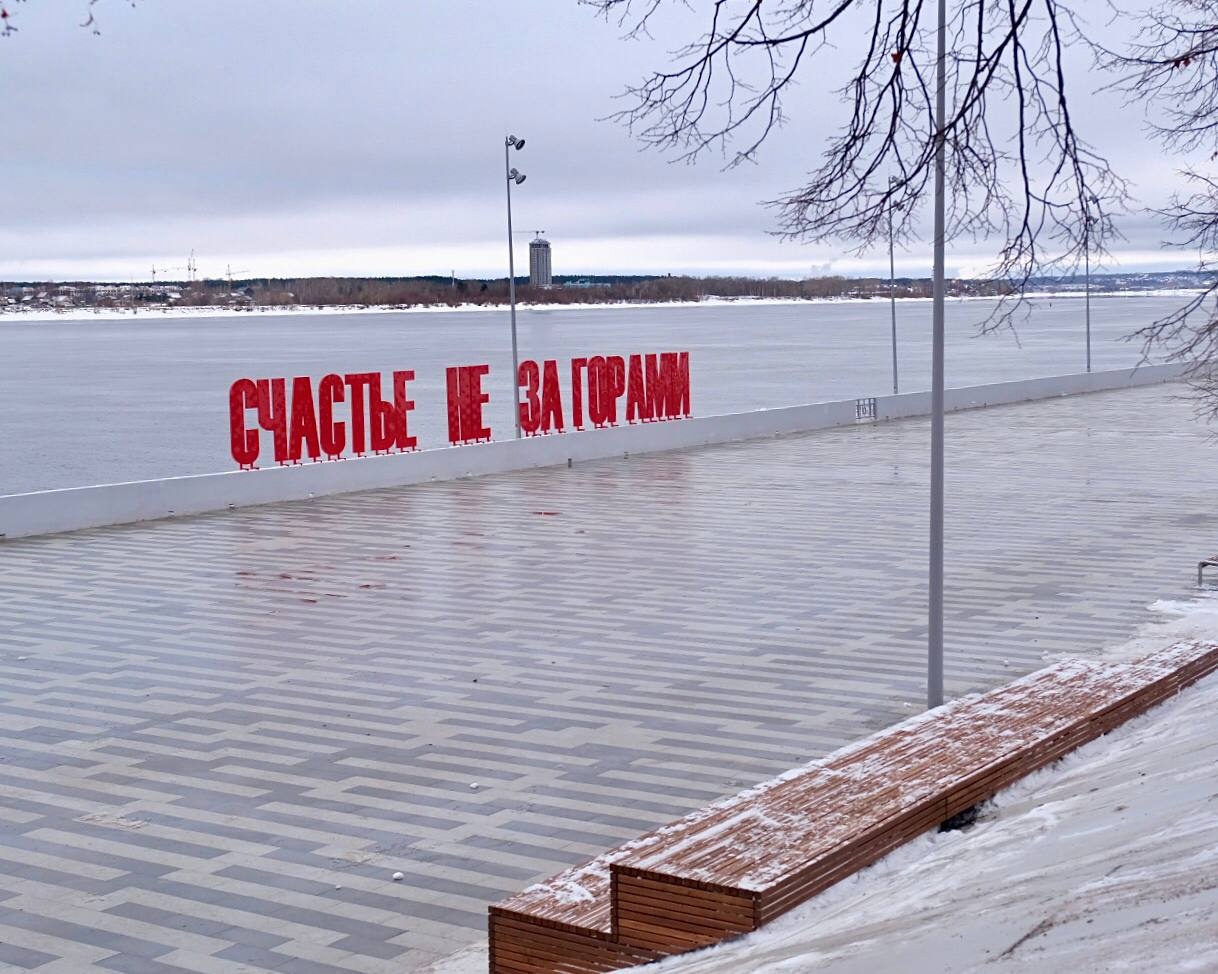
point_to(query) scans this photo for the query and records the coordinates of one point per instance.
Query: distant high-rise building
(539, 263)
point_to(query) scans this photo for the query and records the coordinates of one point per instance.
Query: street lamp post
(514, 177)
(1087, 299)
(934, 628)
(1088, 220)
(892, 287)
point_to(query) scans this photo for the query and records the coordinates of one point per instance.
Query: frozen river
(102, 400)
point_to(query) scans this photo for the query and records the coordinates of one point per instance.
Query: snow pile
(1106, 861)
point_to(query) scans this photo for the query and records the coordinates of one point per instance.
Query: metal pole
(1087, 251)
(512, 294)
(934, 665)
(892, 297)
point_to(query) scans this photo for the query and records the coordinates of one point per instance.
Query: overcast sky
(294, 137)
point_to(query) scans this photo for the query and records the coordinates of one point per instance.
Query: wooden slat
(673, 916)
(644, 893)
(518, 946)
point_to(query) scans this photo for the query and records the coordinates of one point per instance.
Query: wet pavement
(220, 736)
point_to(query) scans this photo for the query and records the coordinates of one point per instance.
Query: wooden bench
(732, 867)
(1203, 564)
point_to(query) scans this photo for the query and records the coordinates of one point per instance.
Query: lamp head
(515, 176)
(512, 140)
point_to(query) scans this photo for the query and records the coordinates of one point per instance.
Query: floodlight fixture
(514, 176)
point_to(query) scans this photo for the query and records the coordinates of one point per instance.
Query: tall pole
(1087, 258)
(512, 294)
(934, 667)
(892, 296)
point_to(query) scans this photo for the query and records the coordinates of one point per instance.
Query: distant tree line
(603, 289)
(428, 291)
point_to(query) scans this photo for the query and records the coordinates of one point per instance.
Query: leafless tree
(1018, 169)
(1173, 66)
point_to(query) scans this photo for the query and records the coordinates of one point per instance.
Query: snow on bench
(731, 867)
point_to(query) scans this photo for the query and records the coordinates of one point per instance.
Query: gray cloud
(299, 137)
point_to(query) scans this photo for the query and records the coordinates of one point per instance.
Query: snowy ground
(19, 315)
(1106, 861)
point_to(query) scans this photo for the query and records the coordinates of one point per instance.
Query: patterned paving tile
(220, 736)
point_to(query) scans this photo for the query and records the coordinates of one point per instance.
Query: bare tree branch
(1172, 66)
(1018, 169)
(7, 16)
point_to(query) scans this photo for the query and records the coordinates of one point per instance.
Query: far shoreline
(26, 316)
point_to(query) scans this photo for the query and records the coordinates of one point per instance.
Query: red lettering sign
(303, 435)
(668, 384)
(465, 402)
(577, 398)
(528, 378)
(541, 410)
(242, 396)
(615, 385)
(273, 413)
(333, 434)
(401, 412)
(655, 387)
(638, 403)
(551, 399)
(320, 421)
(358, 383)
(304, 424)
(598, 389)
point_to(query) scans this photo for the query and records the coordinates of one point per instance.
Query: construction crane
(191, 268)
(230, 274)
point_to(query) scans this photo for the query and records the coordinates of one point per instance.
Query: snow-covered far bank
(13, 315)
(1105, 861)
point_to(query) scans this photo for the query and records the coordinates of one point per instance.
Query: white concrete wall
(46, 512)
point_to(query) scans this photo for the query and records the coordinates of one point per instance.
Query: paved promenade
(220, 736)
